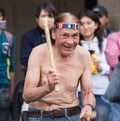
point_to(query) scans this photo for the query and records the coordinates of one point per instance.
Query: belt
(55, 113)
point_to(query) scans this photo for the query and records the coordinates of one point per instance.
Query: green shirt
(6, 59)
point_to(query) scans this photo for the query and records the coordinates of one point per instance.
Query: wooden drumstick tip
(57, 88)
(93, 115)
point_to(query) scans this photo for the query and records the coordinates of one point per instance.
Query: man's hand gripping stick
(46, 29)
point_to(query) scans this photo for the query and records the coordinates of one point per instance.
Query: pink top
(113, 50)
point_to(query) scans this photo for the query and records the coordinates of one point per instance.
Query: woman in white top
(91, 38)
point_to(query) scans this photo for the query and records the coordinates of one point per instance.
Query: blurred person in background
(102, 14)
(7, 49)
(36, 36)
(29, 40)
(91, 38)
(112, 50)
(112, 53)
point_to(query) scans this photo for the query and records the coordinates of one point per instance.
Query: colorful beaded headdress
(67, 26)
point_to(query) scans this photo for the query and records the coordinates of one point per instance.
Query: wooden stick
(50, 48)
(91, 116)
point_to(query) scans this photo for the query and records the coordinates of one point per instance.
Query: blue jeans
(75, 117)
(102, 108)
(115, 112)
(4, 104)
(67, 118)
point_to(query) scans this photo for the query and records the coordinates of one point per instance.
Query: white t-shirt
(100, 80)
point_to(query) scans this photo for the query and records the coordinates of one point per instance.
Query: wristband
(90, 106)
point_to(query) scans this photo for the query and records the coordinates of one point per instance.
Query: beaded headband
(67, 26)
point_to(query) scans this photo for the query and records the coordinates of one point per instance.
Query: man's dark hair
(3, 12)
(100, 10)
(48, 7)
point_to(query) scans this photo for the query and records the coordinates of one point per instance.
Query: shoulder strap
(9, 37)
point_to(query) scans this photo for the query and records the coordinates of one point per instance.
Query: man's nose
(70, 40)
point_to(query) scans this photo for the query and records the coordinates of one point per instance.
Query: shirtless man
(73, 63)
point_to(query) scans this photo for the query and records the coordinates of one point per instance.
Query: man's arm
(86, 82)
(32, 90)
(88, 99)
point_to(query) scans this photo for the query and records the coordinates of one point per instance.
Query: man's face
(41, 19)
(1, 17)
(66, 40)
(2, 22)
(103, 21)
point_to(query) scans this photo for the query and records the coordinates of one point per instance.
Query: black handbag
(113, 90)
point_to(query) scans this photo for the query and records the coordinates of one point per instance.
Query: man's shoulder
(41, 47)
(40, 51)
(83, 56)
(82, 50)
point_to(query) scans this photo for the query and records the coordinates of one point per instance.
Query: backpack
(9, 38)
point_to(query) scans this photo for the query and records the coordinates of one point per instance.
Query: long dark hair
(98, 32)
(3, 12)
